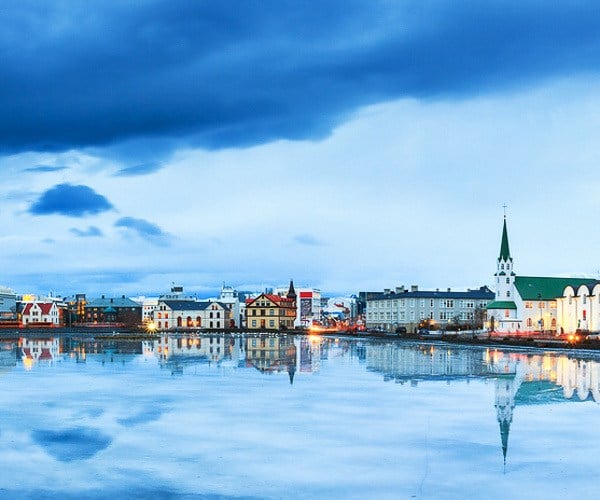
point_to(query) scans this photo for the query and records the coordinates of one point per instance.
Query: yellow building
(271, 312)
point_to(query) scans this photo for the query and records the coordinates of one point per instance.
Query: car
(401, 330)
(593, 336)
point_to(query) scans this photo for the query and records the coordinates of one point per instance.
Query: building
(186, 313)
(231, 298)
(113, 310)
(525, 304)
(8, 305)
(308, 306)
(272, 312)
(40, 313)
(407, 308)
(578, 308)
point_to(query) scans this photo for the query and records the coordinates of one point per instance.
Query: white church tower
(505, 276)
(502, 311)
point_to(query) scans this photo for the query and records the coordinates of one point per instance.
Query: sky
(359, 145)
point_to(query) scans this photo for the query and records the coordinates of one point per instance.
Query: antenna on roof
(504, 208)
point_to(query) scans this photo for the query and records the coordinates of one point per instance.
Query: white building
(230, 297)
(40, 312)
(579, 308)
(171, 314)
(8, 304)
(525, 304)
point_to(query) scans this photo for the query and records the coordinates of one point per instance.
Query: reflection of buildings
(519, 378)
(8, 354)
(272, 354)
(38, 349)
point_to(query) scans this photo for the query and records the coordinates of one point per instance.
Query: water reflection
(519, 378)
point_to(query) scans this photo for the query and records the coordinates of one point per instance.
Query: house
(40, 313)
(272, 312)
(113, 310)
(525, 304)
(188, 313)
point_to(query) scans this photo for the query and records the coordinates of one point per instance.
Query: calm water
(295, 417)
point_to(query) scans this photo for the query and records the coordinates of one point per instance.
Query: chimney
(414, 288)
(399, 289)
(448, 289)
(386, 291)
(103, 296)
(111, 300)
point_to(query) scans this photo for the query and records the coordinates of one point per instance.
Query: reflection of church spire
(505, 404)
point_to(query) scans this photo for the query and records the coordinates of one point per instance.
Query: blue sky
(360, 145)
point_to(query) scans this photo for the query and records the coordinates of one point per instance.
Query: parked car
(401, 330)
(593, 336)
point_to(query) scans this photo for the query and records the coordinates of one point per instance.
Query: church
(525, 304)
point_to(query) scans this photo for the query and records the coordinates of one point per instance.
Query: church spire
(291, 292)
(504, 248)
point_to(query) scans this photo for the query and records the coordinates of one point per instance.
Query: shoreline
(131, 334)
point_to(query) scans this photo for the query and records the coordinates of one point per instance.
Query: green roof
(499, 304)
(504, 250)
(544, 288)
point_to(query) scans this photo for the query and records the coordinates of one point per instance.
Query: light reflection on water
(294, 416)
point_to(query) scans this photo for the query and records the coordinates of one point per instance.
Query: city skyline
(355, 147)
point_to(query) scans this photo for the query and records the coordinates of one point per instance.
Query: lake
(282, 416)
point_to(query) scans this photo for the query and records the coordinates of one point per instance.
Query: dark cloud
(40, 169)
(91, 231)
(71, 200)
(223, 73)
(142, 169)
(144, 229)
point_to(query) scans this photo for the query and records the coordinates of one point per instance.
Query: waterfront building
(190, 313)
(579, 308)
(40, 313)
(231, 298)
(409, 307)
(528, 303)
(149, 305)
(8, 304)
(309, 308)
(113, 310)
(272, 312)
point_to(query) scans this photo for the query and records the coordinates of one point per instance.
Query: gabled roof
(45, 307)
(276, 299)
(546, 288)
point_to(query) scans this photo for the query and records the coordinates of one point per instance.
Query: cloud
(70, 200)
(216, 76)
(144, 229)
(91, 231)
(141, 169)
(68, 445)
(40, 169)
(307, 239)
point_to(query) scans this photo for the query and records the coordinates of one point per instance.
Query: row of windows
(442, 303)
(402, 316)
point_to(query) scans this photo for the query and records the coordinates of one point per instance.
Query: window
(412, 315)
(529, 322)
(422, 303)
(422, 315)
(412, 302)
(528, 305)
(272, 323)
(507, 281)
(507, 313)
(431, 303)
(271, 312)
(254, 325)
(502, 266)
(508, 294)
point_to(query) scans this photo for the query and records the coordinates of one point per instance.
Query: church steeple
(505, 275)
(504, 248)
